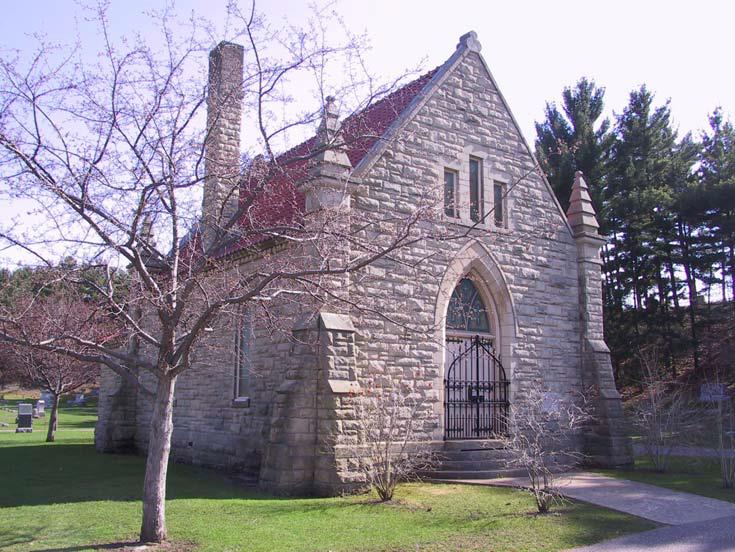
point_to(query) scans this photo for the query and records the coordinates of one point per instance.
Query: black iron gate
(475, 390)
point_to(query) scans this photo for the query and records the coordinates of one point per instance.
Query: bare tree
(722, 413)
(725, 426)
(39, 317)
(544, 429)
(388, 438)
(661, 412)
(112, 153)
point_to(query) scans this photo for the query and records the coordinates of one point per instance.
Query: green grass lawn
(693, 475)
(64, 496)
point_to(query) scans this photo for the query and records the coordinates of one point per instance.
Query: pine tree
(647, 167)
(574, 141)
(717, 172)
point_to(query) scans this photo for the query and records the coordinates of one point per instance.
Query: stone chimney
(326, 186)
(222, 146)
(605, 440)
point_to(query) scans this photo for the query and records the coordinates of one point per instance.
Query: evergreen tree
(568, 142)
(669, 229)
(648, 169)
(717, 172)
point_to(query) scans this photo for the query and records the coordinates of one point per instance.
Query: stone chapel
(514, 302)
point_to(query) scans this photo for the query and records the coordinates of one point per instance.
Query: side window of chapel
(243, 359)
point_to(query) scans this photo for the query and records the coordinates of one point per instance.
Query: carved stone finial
(581, 214)
(330, 138)
(469, 41)
(330, 119)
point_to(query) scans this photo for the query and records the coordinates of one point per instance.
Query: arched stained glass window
(466, 310)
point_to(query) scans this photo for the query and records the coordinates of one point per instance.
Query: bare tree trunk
(51, 435)
(692, 288)
(674, 285)
(723, 283)
(153, 528)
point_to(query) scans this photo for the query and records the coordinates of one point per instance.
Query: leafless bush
(542, 440)
(660, 416)
(391, 449)
(723, 414)
(725, 426)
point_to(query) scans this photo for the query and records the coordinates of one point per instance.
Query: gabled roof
(365, 134)
(280, 204)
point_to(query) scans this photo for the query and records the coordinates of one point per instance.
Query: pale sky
(681, 50)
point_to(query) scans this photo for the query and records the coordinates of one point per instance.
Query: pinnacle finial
(469, 40)
(330, 136)
(329, 106)
(581, 213)
(330, 120)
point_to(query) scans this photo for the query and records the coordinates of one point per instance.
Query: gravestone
(41, 408)
(25, 418)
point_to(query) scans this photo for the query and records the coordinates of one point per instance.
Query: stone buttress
(606, 441)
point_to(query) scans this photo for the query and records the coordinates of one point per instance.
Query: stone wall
(116, 411)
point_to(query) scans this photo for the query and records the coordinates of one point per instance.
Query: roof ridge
(394, 93)
(353, 116)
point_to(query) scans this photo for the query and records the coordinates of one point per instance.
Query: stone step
(472, 465)
(473, 444)
(488, 455)
(473, 474)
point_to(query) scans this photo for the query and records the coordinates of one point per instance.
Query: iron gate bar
(475, 392)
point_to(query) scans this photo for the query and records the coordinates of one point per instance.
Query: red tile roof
(279, 204)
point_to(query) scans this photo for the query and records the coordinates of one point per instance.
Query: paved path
(713, 535)
(639, 499)
(695, 523)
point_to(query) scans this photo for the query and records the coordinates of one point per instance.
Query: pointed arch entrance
(476, 387)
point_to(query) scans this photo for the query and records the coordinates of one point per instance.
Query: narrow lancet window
(499, 204)
(450, 193)
(244, 346)
(476, 190)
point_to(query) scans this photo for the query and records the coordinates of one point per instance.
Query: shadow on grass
(66, 473)
(126, 546)
(15, 537)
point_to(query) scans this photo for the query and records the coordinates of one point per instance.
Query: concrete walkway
(695, 523)
(639, 499)
(713, 535)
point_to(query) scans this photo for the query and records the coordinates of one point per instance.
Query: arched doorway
(475, 383)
